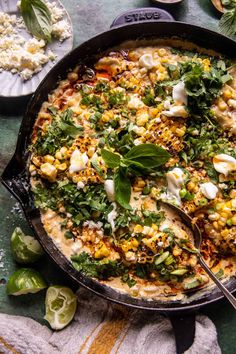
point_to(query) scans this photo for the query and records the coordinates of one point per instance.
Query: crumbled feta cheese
(110, 189)
(209, 190)
(28, 56)
(80, 185)
(78, 161)
(135, 102)
(224, 164)
(175, 181)
(179, 93)
(112, 216)
(147, 61)
(176, 111)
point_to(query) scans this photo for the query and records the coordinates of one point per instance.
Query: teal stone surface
(89, 18)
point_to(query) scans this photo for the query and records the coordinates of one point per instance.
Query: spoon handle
(226, 292)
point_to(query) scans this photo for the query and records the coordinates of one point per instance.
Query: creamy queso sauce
(143, 288)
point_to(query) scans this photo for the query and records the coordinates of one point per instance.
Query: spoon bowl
(188, 221)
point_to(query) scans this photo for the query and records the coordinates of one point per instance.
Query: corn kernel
(58, 155)
(224, 233)
(138, 228)
(155, 227)
(234, 220)
(215, 225)
(48, 171)
(222, 105)
(62, 167)
(232, 193)
(214, 216)
(49, 158)
(227, 94)
(142, 119)
(102, 251)
(161, 52)
(180, 132)
(141, 183)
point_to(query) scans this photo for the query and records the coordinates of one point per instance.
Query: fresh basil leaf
(122, 189)
(147, 155)
(37, 18)
(111, 160)
(227, 24)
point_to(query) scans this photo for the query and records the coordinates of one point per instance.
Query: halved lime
(60, 305)
(25, 249)
(25, 281)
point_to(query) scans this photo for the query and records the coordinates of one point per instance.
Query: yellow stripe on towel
(110, 332)
(8, 346)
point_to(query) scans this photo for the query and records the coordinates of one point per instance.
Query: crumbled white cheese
(112, 216)
(175, 181)
(76, 247)
(176, 111)
(135, 102)
(78, 161)
(80, 185)
(27, 56)
(147, 61)
(93, 225)
(110, 189)
(179, 93)
(209, 190)
(224, 164)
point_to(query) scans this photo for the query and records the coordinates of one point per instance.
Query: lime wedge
(25, 281)
(60, 305)
(25, 249)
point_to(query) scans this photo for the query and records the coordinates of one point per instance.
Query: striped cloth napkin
(101, 327)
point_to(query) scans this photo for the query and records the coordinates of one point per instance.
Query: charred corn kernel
(63, 151)
(177, 251)
(48, 171)
(32, 168)
(206, 64)
(222, 105)
(191, 186)
(91, 151)
(161, 77)
(102, 251)
(36, 161)
(233, 219)
(44, 115)
(62, 167)
(140, 131)
(161, 52)
(71, 102)
(141, 183)
(228, 204)
(130, 256)
(221, 223)
(193, 260)
(215, 224)
(107, 116)
(224, 214)
(214, 216)
(153, 77)
(134, 242)
(224, 233)
(180, 132)
(138, 228)
(142, 119)
(219, 206)
(227, 94)
(58, 155)
(155, 227)
(49, 158)
(75, 179)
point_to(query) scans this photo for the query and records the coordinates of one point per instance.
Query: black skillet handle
(184, 330)
(143, 14)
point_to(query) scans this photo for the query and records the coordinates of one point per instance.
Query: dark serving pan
(136, 24)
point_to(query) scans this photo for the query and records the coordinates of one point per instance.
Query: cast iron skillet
(135, 24)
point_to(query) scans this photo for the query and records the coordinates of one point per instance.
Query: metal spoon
(197, 242)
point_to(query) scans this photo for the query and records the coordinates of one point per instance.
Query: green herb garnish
(37, 18)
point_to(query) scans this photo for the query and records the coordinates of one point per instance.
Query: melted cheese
(78, 161)
(209, 190)
(175, 182)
